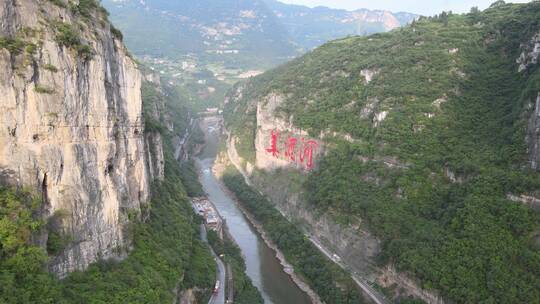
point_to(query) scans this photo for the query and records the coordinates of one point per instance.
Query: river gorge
(264, 269)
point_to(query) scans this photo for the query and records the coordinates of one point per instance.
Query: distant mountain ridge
(311, 27)
(234, 30)
(254, 33)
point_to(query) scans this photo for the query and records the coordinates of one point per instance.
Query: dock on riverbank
(212, 220)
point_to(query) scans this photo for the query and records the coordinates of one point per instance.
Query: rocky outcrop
(533, 136)
(275, 155)
(407, 287)
(156, 159)
(369, 74)
(526, 199)
(355, 245)
(186, 297)
(388, 20)
(529, 54)
(72, 125)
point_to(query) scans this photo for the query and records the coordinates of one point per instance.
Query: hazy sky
(424, 7)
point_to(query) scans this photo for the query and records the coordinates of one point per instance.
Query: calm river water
(262, 266)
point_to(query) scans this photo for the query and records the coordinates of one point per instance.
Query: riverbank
(328, 280)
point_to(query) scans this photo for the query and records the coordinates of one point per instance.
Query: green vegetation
(190, 179)
(56, 243)
(69, 37)
(85, 52)
(56, 239)
(30, 48)
(431, 179)
(86, 7)
(28, 41)
(161, 104)
(117, 33)
(90, 11)
(22, 279)
(244, 291)
(21, 42)
(50, 67)
(43, 90)
(329, 281)
(13, 45)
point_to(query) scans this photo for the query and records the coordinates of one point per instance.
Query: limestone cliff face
(156, 161)
(72, 125)
(278, 143)
(530, 52)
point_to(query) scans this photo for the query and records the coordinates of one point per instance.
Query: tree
(443, 17)
(497, 3)
(474, 14)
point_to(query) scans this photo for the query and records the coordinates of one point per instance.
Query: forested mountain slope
(425, 138)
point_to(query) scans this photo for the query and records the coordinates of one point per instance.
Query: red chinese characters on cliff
(308, 148)
(295, 150)
(273, 148)
(291, 148)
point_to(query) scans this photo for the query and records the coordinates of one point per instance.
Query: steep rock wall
(153, 139)
(72, 127)
(156, 160)
(278, 144)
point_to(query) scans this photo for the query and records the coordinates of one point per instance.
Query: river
(262, 266)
